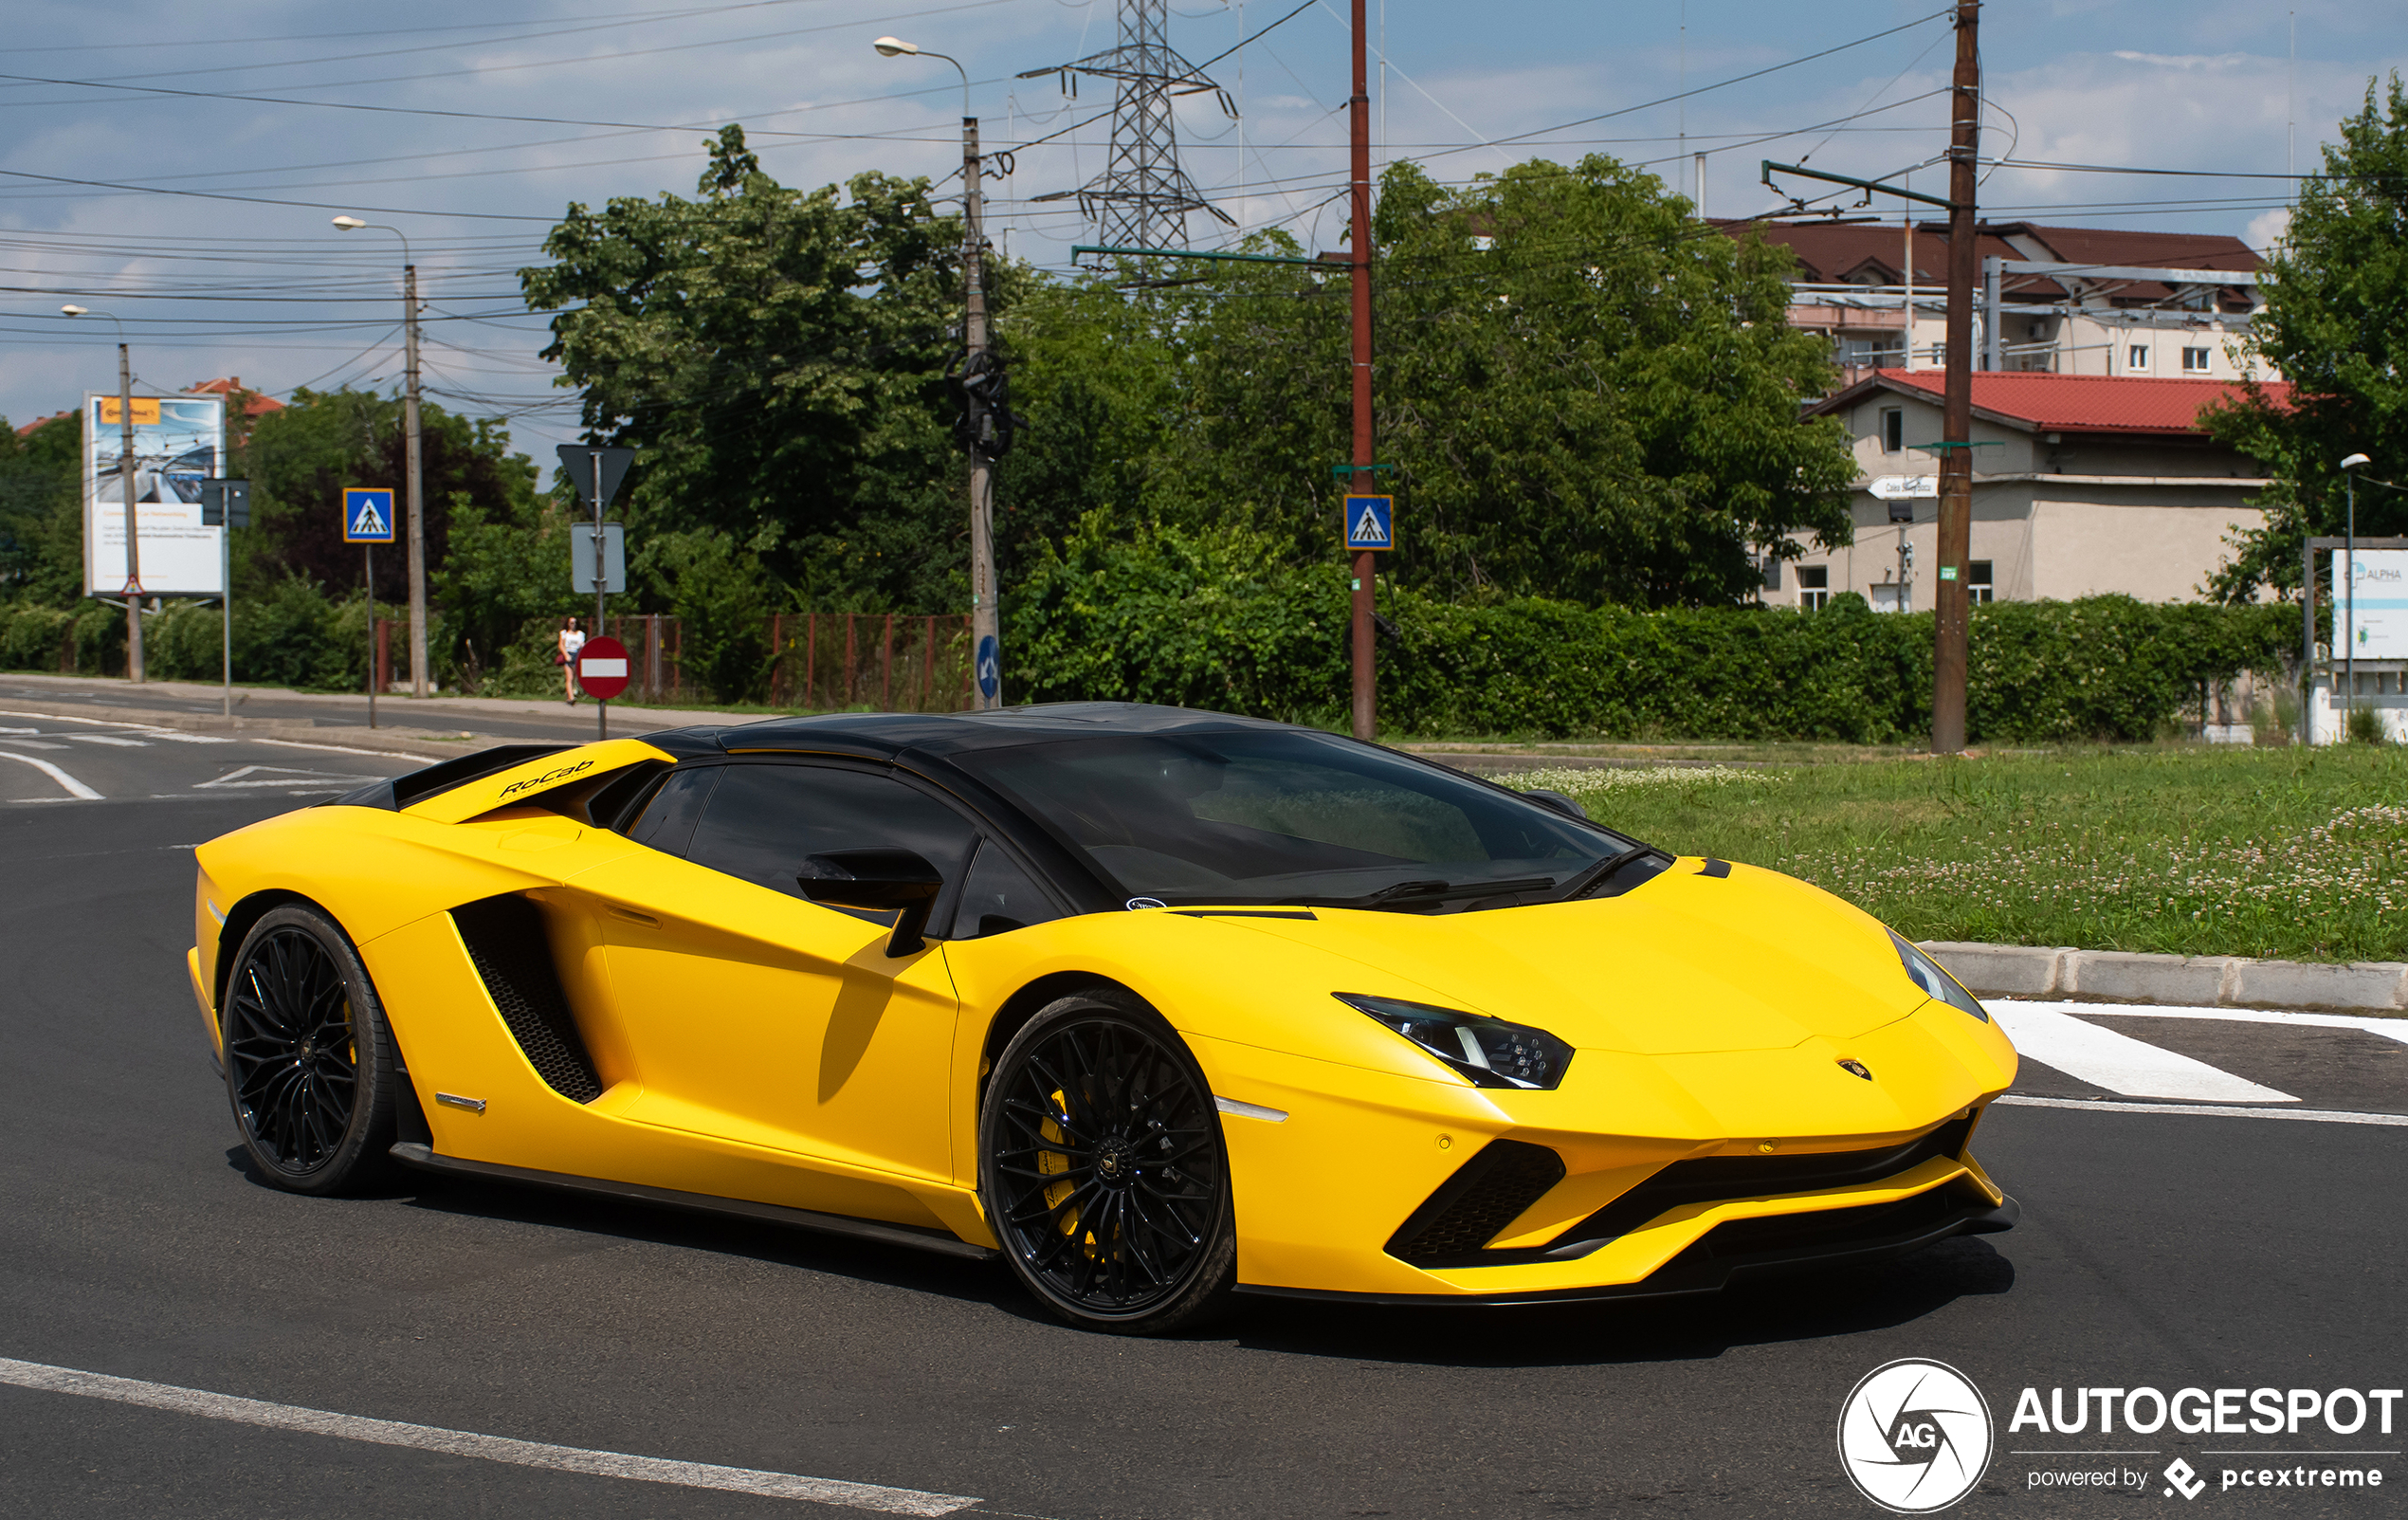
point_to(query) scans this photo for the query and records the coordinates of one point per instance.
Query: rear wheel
(309, 1060)
(1102, 1170)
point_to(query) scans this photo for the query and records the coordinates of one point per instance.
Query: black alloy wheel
(309, 1062)
(1103, 1169)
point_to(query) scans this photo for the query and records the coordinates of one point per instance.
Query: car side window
(762, 820)
(999, 896)
(667, 821)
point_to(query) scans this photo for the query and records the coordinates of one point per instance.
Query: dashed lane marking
(32, 744)
(2214, 1110)
(2119, 1063)
(116, 741)
(469, 1444)
(74, 788)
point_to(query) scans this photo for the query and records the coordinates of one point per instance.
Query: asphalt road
(2165, 1249)
(345, 713)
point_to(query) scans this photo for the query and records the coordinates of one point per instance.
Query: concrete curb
(2196, 981)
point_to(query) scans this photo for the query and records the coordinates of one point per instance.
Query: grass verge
(2284, 854)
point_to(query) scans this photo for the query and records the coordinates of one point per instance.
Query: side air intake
(1474, 1207)
(508, 945)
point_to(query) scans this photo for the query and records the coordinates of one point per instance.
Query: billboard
(2380, 594)
(178, 441)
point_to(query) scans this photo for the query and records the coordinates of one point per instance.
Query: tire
(309, 1059)
(1102, 1170)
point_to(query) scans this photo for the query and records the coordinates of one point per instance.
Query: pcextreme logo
(1915, 1436)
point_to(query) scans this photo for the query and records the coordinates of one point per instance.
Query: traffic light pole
(986, 620)
(1951, 601)
(1358, 121)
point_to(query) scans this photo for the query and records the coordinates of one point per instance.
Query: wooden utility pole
(1955, 424)
(1359, 123)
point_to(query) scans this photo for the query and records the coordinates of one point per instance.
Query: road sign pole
(368, 557)
(601, 585)
(225, 602)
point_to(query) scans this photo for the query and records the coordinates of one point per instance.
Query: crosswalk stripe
(2121, 1064)
(116, 741)
(2393, 1027)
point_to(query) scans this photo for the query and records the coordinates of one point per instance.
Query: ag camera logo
(1915, 1436)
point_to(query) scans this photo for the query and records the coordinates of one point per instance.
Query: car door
(754, 1015)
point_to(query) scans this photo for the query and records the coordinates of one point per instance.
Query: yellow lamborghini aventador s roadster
(1157, 1004)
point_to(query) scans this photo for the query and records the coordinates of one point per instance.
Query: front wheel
(309, 1060)
(1102, 1168)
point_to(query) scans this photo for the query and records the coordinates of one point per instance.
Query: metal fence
(890, 662)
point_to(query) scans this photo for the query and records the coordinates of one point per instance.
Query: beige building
(2082, 484)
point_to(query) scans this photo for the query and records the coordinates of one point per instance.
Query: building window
(1893, 429)
(2137, 358)
(1978, 588)
(1813, 586)
(2195, 361)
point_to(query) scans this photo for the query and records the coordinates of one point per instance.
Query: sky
(175, 166)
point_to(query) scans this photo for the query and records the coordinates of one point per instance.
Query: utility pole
(411, 483)
(132, 517)
(1359, 123)
(986, 623)
(1955, 427)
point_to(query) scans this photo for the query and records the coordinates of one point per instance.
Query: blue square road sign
(368, 514)
(1371, 523)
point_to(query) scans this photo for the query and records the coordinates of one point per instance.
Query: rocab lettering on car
(547, 777)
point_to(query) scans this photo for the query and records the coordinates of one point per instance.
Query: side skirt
(413, 1154)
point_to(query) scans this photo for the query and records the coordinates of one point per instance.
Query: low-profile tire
(1102, 1170)
(309, 1059)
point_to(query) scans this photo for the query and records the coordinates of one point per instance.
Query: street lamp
(985, 622)
(2350, 468)
(412, 490)
(125, 486)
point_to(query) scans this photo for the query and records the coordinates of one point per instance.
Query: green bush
(30, 637)
(1214, 622)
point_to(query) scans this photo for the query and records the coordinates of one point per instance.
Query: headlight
(1935, 982)
(1490, 1051)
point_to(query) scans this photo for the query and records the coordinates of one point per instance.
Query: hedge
(1213, 622)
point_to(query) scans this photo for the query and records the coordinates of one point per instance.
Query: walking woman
(572, 640)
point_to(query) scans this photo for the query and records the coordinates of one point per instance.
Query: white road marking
(178, 736)
(32, 744)
(467, 1443)
(2120, 1063)
(283, 776)
(2393, 1027)
(74, 787)
(116, 741)
(2325, 1116)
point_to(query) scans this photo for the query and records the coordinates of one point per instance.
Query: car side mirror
(881, 881)
(1559, 801)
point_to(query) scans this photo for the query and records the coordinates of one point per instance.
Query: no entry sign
(602, 667)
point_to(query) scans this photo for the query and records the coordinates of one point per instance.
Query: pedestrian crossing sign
(1369, 521)
(368, 515)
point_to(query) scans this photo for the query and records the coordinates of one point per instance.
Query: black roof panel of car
(885, 735)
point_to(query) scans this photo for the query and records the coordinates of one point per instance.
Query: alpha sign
(2376, 596)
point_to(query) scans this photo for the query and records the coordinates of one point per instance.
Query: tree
(777, 356)
(2335, 325)
(1584, 393)
(42, 512)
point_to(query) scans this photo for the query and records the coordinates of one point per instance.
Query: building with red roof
(2081, 484)
(1855, 282)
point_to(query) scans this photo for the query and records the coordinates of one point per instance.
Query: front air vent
(1474, 1205)
(508, 945)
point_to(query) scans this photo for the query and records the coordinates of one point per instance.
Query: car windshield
(1269, 815)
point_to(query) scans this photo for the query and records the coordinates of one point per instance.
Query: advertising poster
(178, 443)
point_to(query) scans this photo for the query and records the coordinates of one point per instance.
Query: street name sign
(1904, 487)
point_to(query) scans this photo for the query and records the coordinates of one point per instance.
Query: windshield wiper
(1601, 870)
(1414, 893)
